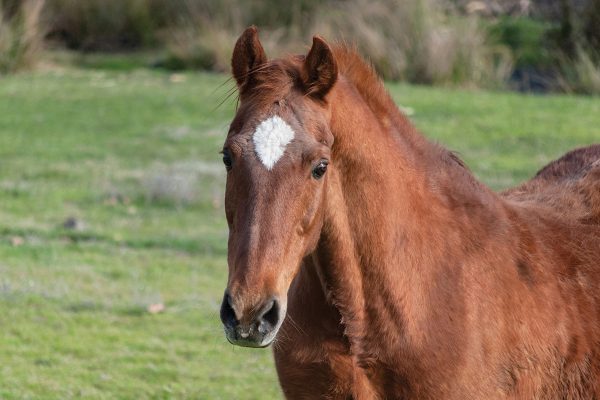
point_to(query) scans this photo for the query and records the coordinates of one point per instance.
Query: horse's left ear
(248, 54)
(319, 71)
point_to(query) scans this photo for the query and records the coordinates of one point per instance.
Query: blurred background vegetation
(537, 45)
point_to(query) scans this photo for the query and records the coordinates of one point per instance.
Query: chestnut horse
(378, 265)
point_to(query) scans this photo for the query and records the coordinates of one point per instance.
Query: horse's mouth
(260, 341)
(249, 343)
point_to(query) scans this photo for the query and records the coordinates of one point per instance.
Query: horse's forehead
(269, 126)
(270, 139)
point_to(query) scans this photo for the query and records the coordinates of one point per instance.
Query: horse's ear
(320, 71)
(248, 54)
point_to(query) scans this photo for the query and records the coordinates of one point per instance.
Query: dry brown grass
(22, 36)
(208, 46)
(415, 40)
(418, 42)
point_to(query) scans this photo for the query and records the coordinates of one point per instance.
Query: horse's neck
(392, 219)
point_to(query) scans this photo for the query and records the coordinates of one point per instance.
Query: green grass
(91, 145)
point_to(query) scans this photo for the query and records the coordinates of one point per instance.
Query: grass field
(111, 204)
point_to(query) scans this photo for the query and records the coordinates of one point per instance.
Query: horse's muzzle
(257, 331)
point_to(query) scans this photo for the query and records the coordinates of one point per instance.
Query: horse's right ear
(248, 54)
(319, 71)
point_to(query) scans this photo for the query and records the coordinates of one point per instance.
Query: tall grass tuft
(21, 36)
(418, 42)
(206, 46)
(582, 74)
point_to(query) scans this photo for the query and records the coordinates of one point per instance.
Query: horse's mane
(366, 81)
(369, 85)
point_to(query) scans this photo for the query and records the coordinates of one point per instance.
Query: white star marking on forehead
(270, 138)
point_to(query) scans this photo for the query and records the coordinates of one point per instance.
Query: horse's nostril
(270, 313)
(227, 314)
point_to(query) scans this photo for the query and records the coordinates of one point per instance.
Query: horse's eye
(320, 169)
(227, 160)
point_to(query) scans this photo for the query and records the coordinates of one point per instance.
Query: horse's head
(276, 153)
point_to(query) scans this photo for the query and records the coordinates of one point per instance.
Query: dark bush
(105, 25)
(527, 38)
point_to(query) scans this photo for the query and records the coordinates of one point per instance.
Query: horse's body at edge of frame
(379, 267)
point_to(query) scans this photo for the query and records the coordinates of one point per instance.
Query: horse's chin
(252, 345)
(265, 342)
